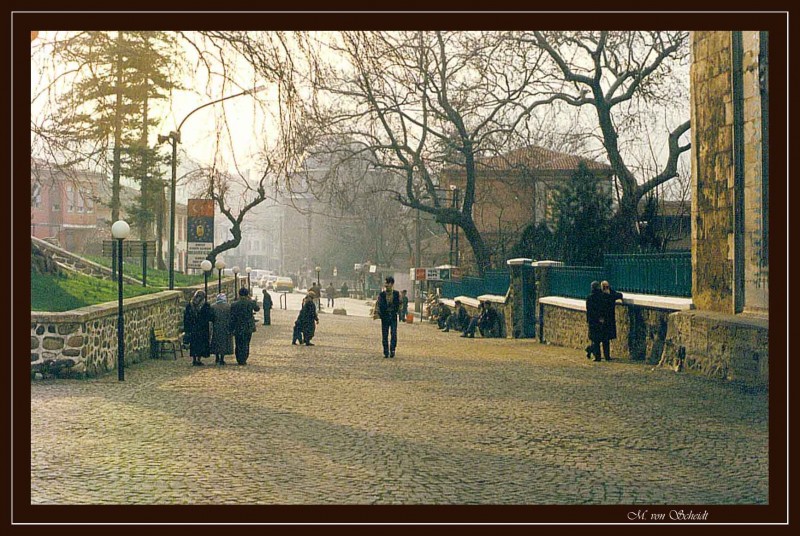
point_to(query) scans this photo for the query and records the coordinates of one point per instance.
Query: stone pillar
(522, 298)
(542, 275)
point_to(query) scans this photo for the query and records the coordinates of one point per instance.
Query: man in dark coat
(196, 318)
(308, 319)
(331, 294)
(387, 308)
(221, 338)
(459, 319)
(609, 303)
(595, 316)
(243, 324)
(266, 302)
(442, 314)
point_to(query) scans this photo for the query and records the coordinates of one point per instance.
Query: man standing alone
(388, 307)
(266, 302)
(243, 324)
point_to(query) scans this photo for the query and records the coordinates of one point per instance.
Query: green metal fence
(664, 274)
(574, 281)
(493, 282)
(667, 274)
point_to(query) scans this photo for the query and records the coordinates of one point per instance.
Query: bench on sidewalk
(166, 345)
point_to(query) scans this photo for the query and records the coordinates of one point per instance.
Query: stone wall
(83, 342)
(713, 176)
(718, 345)
(641, 331)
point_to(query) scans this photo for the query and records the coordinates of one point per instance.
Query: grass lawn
(71, 291)
(156, 278)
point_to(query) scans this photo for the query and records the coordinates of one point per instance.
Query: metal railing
(493, 282)
(573, 281)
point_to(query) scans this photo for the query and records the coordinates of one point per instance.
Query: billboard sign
(200, 231)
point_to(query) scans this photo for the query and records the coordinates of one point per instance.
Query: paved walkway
(449, 421)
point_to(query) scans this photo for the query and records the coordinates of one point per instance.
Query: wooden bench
(167, 345)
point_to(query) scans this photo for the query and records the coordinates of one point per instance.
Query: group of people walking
(212, 329)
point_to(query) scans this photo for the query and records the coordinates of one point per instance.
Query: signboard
(200, 231)
(418, 274)
(432, 274)
(455, 272)
(357, 267)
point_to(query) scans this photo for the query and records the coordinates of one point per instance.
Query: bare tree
(618, 74)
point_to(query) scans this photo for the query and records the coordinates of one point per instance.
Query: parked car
(283, 284)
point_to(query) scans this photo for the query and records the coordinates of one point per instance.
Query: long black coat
(195, 325)
(609, 312)
(596, 310)
(222, 338)
(308, 319)
(388, 307)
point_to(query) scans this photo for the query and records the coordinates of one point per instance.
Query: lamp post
(120, 231)
(247, 271)
(235, 282)
(220, 264)
(206, 266)
(174, 138)
(319, 291)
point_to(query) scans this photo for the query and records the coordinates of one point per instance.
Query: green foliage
(651, 233)
(537, 242)
(70, 291)
(155, 277)
(582, 220)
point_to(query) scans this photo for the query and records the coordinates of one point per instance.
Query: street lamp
(120, 231)
(206, 266)
(220, 264)
(174, 138)
(248, 270)
(319, 291)
(235, 282)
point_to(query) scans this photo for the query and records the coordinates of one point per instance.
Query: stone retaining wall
(83, 342)
(719, 345)
(641, 331)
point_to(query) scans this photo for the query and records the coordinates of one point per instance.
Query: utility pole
(418, 284)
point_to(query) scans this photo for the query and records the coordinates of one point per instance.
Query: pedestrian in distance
(221, 336)
(345, 290)
(243, 324)
(459, 319)
(610, 330)
(308, 319)
(331, 293)
(196, 319)
(266, 303)
(403, 305)
(387, 308)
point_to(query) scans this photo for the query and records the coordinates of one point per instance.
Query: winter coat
(267, 300)
(308, 319)
(242, 320)
(609, 313)
(195, 325)
(388, 307)
(596, 311)
(221, 337)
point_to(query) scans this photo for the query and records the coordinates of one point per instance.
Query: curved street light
(174, 138)
(206, 266)
(248, 270)
(235, 282)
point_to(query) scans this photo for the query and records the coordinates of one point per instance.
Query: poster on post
(200, 231)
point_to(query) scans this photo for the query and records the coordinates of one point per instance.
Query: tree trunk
(479, 249)
(161, 203)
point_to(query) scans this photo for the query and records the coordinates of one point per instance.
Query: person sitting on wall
(459, 320)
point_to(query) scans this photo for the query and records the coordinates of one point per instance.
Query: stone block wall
(641, 331)
(83, 342)
(722, 346)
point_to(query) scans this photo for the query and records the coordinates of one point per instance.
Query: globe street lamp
(319, 291)
(174, 138)
(120, 231)
(206, 266)
(220, 265)
(235, 282)
(248, 270)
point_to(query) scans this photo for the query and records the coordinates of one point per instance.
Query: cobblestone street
(448, 421)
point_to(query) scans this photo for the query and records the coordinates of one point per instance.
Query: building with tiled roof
(516, 189)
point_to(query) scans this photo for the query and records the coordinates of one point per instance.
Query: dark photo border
(151, 15)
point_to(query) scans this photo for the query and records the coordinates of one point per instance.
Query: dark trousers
(297, 333)
(386, 325)
(267, 316)
(242, 350)
(595, 349)
(331, 302)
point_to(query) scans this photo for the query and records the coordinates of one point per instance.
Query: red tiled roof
(539, 158)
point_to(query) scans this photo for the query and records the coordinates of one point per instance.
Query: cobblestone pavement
(448, 421)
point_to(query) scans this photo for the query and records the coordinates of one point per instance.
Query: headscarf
(222, 298)
(198, 299)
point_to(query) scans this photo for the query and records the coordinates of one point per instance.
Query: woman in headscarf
(196, 319)
(221, 337)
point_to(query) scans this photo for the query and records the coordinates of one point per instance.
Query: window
(36, 196)
(70, 199)
(89, 205)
